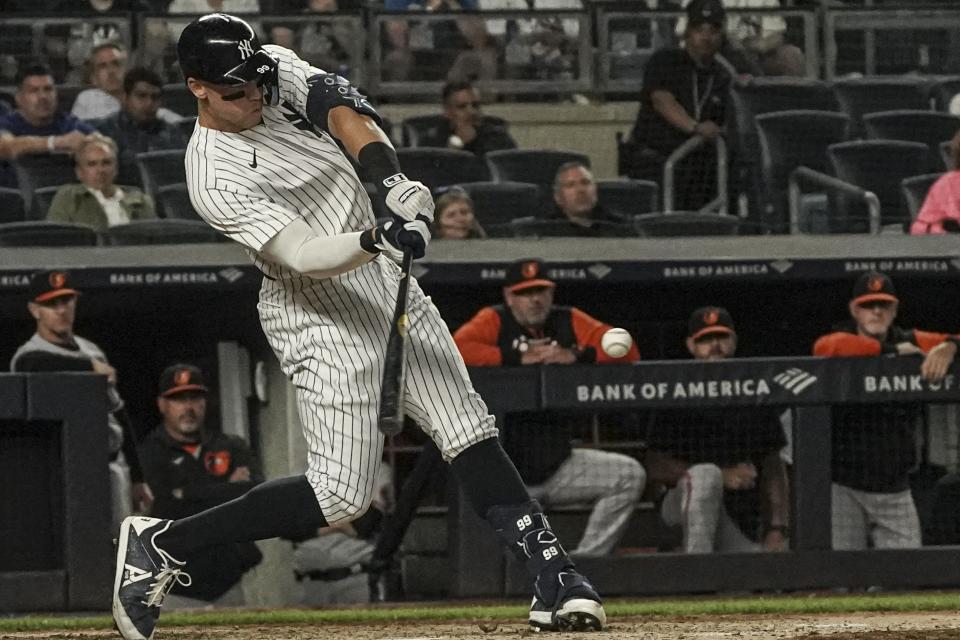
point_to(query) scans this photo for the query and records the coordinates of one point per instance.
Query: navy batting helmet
(223, 49)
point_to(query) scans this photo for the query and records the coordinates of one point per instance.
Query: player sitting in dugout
(529, 329)
(874, 445)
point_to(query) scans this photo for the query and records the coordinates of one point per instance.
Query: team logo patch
(182, 377)
(217, 463)
(875, 284)
(246, 49)
(711, 317)
(57, 280)
(529, 269)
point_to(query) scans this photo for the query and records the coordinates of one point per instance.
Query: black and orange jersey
(494, 338)
(874, 445)
(201, 471)
(850, 343)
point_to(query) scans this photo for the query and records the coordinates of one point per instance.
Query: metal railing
(869, 21)
(669, 167)
(626, 38)
(805, 174)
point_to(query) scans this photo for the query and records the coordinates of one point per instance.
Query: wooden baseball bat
(392, 387)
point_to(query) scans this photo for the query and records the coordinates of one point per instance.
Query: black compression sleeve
(380, 161)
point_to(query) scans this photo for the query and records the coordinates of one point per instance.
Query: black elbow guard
(328, 90)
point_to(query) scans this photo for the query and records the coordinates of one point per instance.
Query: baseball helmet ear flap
(223, 49)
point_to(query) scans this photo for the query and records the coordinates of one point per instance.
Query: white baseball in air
(616, 342)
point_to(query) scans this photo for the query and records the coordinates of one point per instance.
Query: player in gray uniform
(264, 167)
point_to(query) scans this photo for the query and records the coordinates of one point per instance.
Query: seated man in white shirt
(97, 202)
(107, 66)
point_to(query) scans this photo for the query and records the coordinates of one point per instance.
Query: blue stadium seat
(929, 127)
(442, 167)
(412, 128)
(11, 205)
(42, 170)
(914, 191)
(536, 166)
(173, 203)
(161, 232)
(42, 199)
(878, 166)
(627, 198)
(160, 168)
(495, 204)
(791, 139)
(860, 96)
(40, 233)
(686, 223)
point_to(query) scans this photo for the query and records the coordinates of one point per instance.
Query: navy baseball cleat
(144, 575)
(576, 607)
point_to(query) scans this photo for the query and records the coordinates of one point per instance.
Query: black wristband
(380, 161)
(369, 240)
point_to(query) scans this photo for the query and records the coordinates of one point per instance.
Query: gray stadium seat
(914, 191)
(878, 166)
(40, 233)
(945, 156)
(442, 167)
(929, 127)
(42, 170)
(161, 232)
(860, 96)
(160, 168)
(791, 139)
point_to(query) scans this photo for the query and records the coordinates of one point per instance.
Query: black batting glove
(395, 236)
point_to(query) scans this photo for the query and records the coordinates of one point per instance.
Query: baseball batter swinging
(264, 168)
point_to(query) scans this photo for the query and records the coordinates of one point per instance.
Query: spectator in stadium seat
(685, 94)
(454, 219)
(55, 347)
(135, 128)
(463, 126)
(528, 329)
(726, 480)
(107, 67)
(192, 468)
(37, 126)
(97, 201)
(575, 194)
(874, 445)
(940, 212)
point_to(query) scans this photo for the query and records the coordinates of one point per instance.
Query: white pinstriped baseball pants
(330, 338)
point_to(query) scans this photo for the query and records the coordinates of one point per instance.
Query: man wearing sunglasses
(464, 126)
(874, 445)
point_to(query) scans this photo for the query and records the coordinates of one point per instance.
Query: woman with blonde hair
(454, 218)
(940, 212)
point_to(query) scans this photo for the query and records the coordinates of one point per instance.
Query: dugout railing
(808, 385)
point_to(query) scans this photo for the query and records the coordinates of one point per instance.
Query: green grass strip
(430, 612)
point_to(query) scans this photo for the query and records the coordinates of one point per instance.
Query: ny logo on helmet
(246, 49)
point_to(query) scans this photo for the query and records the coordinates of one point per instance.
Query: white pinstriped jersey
(329, 334)
(250, 185)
